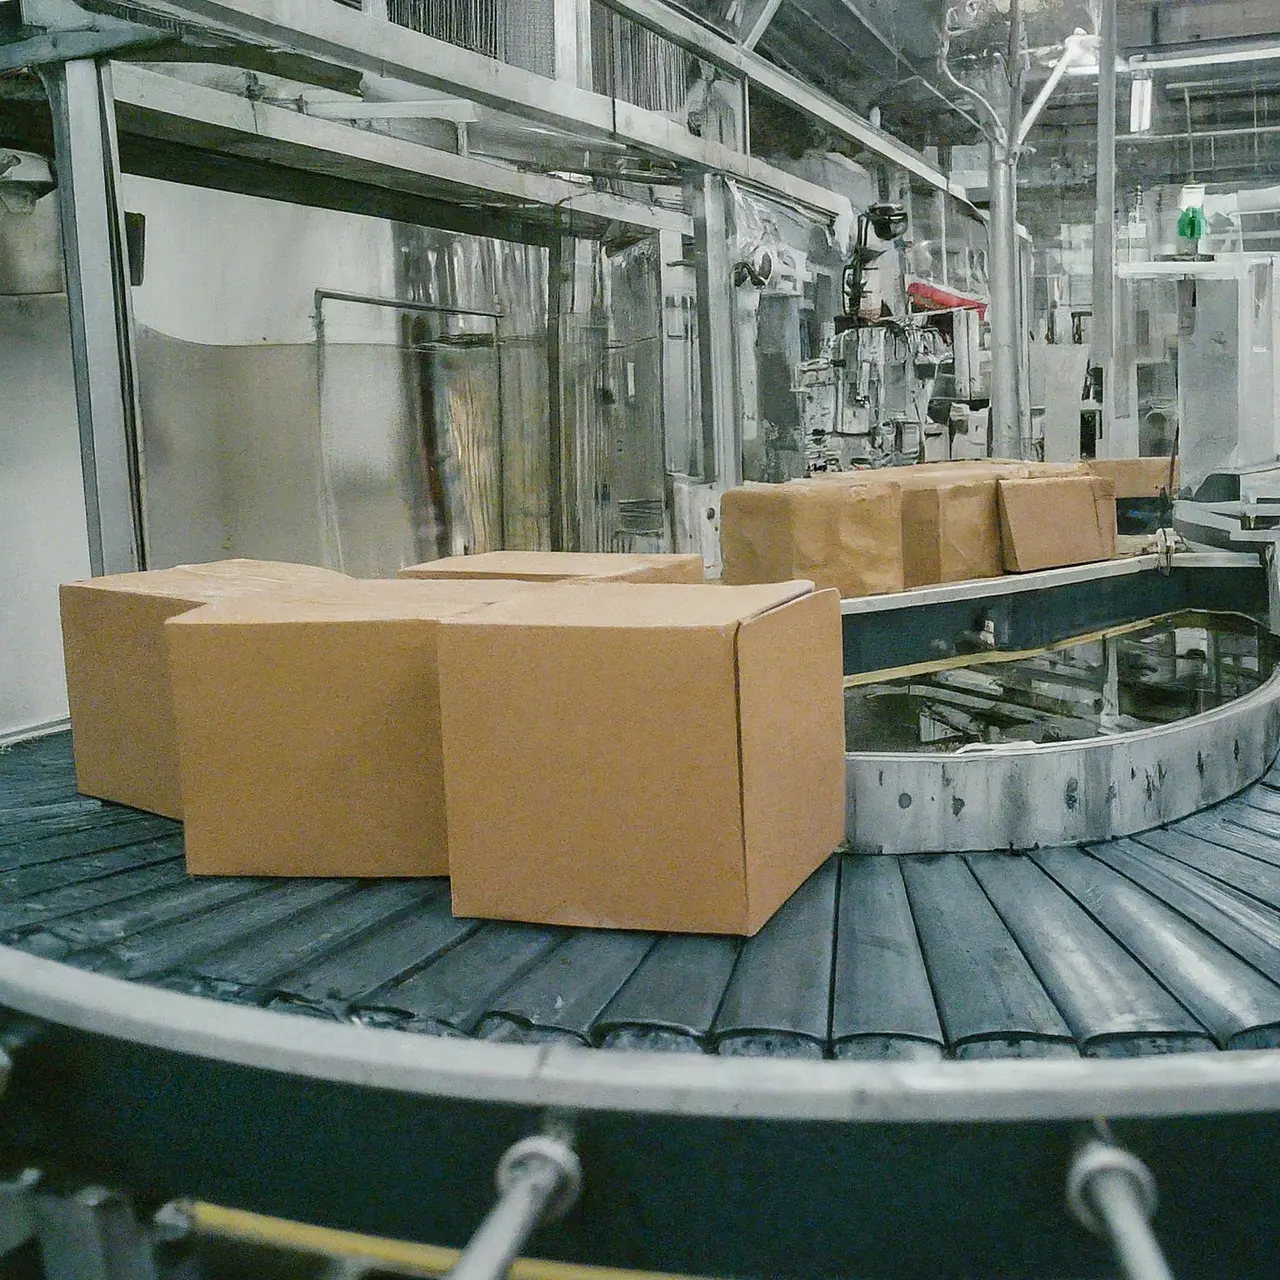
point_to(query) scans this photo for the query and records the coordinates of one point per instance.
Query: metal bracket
(67, 46)
(62, 31)
(1112, 1193)
(1166, 545)
(91, 1234)
(538, 1181)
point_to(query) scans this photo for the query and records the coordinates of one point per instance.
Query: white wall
(42, 519)
(233, 270)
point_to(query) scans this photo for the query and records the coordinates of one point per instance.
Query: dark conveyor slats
(560, 999)
(452, 994)
(992, 1003)
(1260, 879)
(1113, 1006)
(882, 1005)
(780, 993)
(386, 954)
(670, 1002)
(1169, 941)
(1215, 829)
(1242, 924)
(245, 970)
(1234, 1002)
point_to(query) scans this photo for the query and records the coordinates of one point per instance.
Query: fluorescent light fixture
(1175, 61)
(1140, 102)
(1212, 58)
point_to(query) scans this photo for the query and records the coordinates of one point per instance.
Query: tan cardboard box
(642, 757)
(117, 673)
(309, 729)
(950, 523)
(844, 536)
(1054, 521)
(1136, 477)
(950, 532)
(560, 566)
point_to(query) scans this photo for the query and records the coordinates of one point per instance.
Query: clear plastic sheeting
(485, 407)
(410, 409)
(633, 402)
(334, 389)
(787, 271)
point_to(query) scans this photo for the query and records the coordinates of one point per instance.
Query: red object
(935, 297)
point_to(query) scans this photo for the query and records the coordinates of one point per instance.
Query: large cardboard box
(309, 729)
(117, 674)
(844, 536)
(950, 521)
(561, 566)
(1137, 477)
(642, 757)
(1054, 521)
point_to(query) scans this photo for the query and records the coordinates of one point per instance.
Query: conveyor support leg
(538, 1180)
(91, 1234)
(1113, 1194)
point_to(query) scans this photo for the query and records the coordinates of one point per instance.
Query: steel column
(102, 346)
(1005, 435)
(91, 1235)
(1102, 334)
(721, 427)
(559, 287)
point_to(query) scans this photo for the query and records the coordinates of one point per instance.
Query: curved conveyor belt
(902, 1165)
(1166, 942)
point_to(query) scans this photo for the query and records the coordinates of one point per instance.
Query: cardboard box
(309, 729)
(950, 521)
(1136, 477)
(1054, 521)
(117, 674)
(950, 532)
(846, 536)
(642, 757)
(561, 566)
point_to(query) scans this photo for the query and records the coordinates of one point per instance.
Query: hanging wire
(950, 28)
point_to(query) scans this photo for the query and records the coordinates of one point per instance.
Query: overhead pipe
(1080, 47)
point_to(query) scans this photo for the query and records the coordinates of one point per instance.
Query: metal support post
(102, 344)
(1022, 354)
(559, 287)
(721, 445)
(91, 1235)
(1113, 1194)
(1005, 433)
(538, 1181)
(1271, 559)
(1102, 329)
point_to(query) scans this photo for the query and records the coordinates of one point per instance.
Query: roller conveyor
(1164, 943)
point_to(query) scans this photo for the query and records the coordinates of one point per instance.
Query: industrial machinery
(866, 399)
(1196, 362)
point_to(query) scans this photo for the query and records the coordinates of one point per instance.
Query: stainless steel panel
(1042, 795)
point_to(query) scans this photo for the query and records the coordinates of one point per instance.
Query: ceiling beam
(773, 80)
(342, 36)
(156, 105)
(756, 17)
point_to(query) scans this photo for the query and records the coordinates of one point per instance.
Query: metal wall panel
(43, 538)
